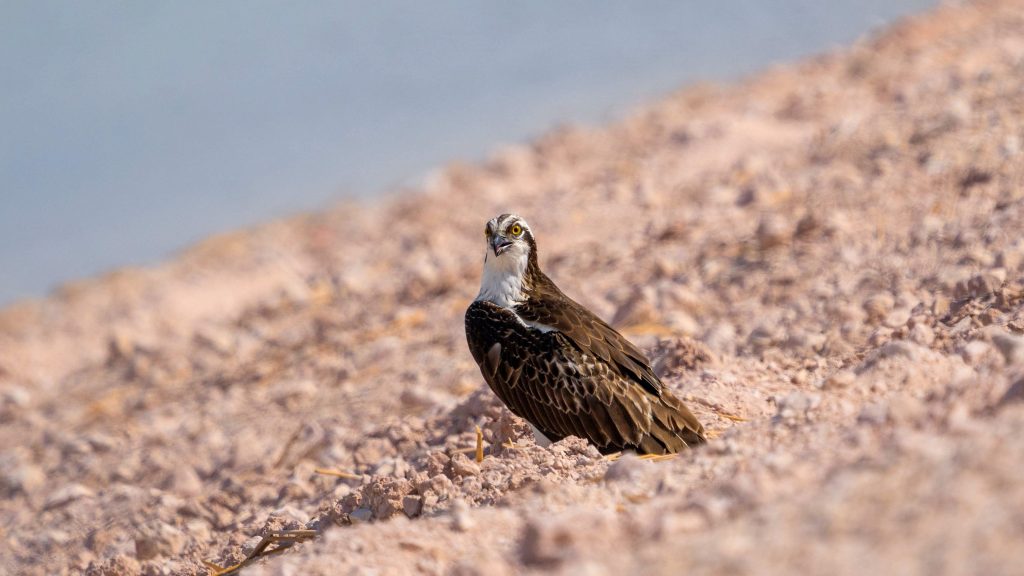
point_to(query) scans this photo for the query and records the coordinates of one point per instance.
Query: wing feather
(563, 390)
(589, 333)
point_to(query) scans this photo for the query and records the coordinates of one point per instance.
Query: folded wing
(564, 389)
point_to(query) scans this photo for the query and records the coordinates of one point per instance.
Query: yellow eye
(516, 230)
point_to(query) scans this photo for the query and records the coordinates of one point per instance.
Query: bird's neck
(508, 279)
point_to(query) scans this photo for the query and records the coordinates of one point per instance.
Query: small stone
(905, 409)
(880, 336)
(879, 306)
(120, 565)
(974, 351)
(721, 338)
(977, 286)
(412, 505)
(1015, 393)
(250, 544)
(290, 516)
(626, 469)
(990, 316)
(765, 336)
(184, 481)
(921, 334)
(773, 231)
(547, 544)
(360, 515)
(959, 418)
(15, 397)
(898, 349)
(461, 519)
(676, 355)
(67, 495)
(462, 466)
(841, 379)
(808, 225)
(292, 394)
(796, 406)
(1010, 146)
(1010, 346)
(637, 309)
(18, 474)
(158, 539)
(1011, 259)
(430, 502)
(876, 413)
(440, 485)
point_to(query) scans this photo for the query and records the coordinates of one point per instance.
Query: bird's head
(508, 237)
(509, 252)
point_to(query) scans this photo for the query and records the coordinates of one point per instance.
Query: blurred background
(130, 130)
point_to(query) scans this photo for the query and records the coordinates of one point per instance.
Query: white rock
(1010, 346)
(159, 539)
(974, 351)
(66, 495)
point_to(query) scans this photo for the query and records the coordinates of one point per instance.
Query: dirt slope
(825, 261)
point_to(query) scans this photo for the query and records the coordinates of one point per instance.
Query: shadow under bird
(558, 365)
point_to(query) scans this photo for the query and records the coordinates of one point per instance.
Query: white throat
(502, 281)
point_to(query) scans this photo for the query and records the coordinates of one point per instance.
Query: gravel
(824, 261)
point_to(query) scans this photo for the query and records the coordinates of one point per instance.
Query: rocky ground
(826, 261)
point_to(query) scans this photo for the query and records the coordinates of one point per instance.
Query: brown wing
(563, 391)
(548, 305)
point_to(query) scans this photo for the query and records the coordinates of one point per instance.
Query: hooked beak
(499, 244)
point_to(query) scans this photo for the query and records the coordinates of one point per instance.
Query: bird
(559, 366)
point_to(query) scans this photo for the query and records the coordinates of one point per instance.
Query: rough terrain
(826, 261)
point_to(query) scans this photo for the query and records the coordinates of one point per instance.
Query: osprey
(556, 364)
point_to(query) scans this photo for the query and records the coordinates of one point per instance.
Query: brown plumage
(556, 364)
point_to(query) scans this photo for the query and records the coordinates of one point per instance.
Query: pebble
(18, 474)
(905, 409)
(250, 544)
(899, 349)
(1010, 346)
(627, 468)
(876, 413)
(15, 397)
(462, 521)
(360, 515)
(291, 515)
(291, 394)
(879, 306)
(157, 539)
(796, 406)
(921, 334)
(637, 309)
(977, 286)
(841, 379)
(67, 495)
(773, 231)
(1015, 393)
(184, 481)
(463, 466)
(973, 351)
(119, 565)
(880, 336)
(412, 505)
(547, 543)
(721, 338)
(765, 336)
(1012, 258)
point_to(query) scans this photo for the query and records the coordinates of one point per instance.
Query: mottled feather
(559, 366)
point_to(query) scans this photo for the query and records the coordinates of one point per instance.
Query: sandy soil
(826, 261)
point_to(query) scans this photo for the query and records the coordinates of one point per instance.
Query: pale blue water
(131, 129)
